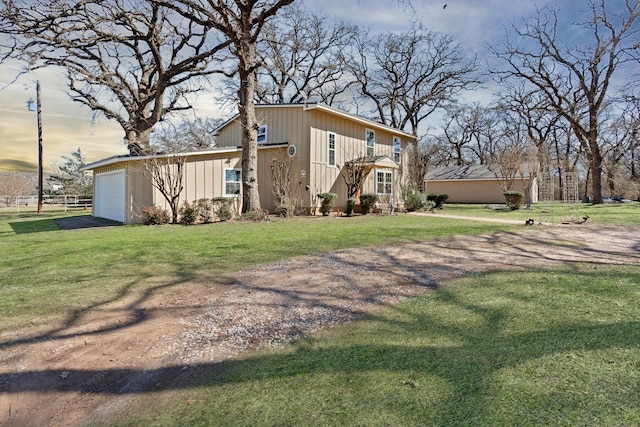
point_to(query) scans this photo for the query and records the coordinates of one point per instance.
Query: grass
(549, 347)
(543, 347)
(50, 275)
(608, 214)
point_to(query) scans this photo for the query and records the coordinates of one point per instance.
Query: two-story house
(316, 139)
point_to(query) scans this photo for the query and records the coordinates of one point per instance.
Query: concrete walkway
(473, 218)
(84, 221)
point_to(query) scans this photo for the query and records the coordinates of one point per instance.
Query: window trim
(262, 132)
(225, 182)
(397, 152)
(366, 143)
(385, 173)
(334, 150)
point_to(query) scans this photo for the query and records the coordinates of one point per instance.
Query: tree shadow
(466, 367)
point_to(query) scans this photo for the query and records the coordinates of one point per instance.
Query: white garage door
(109, 197)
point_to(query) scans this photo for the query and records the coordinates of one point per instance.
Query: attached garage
(109, 193)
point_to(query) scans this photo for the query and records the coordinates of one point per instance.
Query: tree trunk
(138, 141)
(247, 111)
(595, 165)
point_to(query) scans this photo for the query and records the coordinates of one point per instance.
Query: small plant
(205, 211)
(514, 199)
(438, 200)
(222, 208)
(257, 215)
(328, 202)
(414, 199)
(367, 201)
(153, 215)
(285, 211)
(188, 213)
(351, 204)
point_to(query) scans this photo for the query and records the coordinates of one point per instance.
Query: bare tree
(355, 172)
(575, 79)
(506, 160)
(302, 57)
(14, 184)
(166, 174)
(185, 135)
(241, 22)
(133, 62)
(408, 76)
(283, 185)
(422, 156)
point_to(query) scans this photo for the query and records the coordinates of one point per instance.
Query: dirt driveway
(99, 363)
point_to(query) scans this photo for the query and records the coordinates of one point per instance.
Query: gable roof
(465, 172)
(330, 110)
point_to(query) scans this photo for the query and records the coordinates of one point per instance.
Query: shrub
(222, 208)
(287, 207)
(285, 210)
(438, 200)
(328, 202)
(258, 215)
(188, 213)
(367, 201)
(514, 199)
(153, 215)
(351, 204)
(414, 199)
(205, 210)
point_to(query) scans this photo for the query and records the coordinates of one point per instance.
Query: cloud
(13, 165)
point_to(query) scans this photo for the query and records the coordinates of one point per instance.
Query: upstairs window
(262, 134)
(331, 157)
(232, 182)
(370, 138)
(396, 149)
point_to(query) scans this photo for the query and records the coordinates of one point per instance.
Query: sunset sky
(67, 125)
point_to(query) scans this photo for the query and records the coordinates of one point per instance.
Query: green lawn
(608, 213)
(557, 347)
(545, 347)
(51, 275)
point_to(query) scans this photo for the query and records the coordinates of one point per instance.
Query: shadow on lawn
(77, 222)
(466, 368)
(481, 349)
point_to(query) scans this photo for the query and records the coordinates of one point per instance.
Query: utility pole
(39, 115)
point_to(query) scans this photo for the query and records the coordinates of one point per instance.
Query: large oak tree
(575, 74)
(133, 61)
(241, 23)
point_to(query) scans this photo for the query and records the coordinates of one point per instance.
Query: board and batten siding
(350, 144)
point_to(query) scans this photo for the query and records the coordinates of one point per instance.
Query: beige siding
(350, 144)
(308, 130)
(472, 191)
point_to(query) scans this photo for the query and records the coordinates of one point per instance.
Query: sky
(68, 125)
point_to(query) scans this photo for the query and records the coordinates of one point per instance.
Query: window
(396, 149)
(232, 182)
(370, 137)
(331, 159)
(262, 134)
(384, 182)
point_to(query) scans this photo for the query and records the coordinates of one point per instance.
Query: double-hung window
(396, 149)
(232, 182)
(370, 137)
(384, 182)
(262, 134)
(331, 155)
